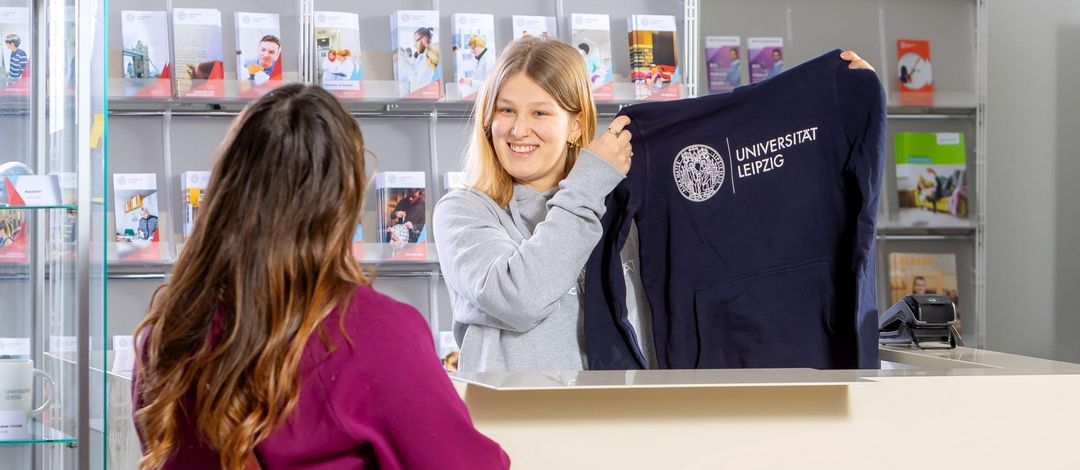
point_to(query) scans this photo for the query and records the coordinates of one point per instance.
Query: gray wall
(1033, 222)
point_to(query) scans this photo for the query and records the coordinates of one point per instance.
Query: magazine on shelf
(654, 57)
(15, 64)
(473, 37)
(19, 186)
(337, 48)
(591, 35)
(33, 190)
(199, 52)
(358, 234)
(401, 207)
(931, 179)
(923, 273)
(14, 224)
(916, 76)
(448, 350)
(417, 57)
(766, 57)
(14, 231)
(146, 66)
(69, 186)
(193, 188)
(543, 27)
(9, 173)
(15, 348)
(723, 63)
(136, 207)
(259, 52)
(454, 180)
(123, 354)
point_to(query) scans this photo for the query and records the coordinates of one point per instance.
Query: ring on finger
(613, 132)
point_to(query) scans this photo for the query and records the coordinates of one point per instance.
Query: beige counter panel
(659, 379)
(973, 415)
(973, 358)
(963, 408)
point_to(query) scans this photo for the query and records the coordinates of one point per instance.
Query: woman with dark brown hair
(268, 346)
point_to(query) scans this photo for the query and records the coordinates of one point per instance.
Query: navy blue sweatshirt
(756, 213)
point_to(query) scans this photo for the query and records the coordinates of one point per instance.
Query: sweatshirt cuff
(592, 177)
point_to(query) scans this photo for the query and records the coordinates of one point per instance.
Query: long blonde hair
(269, 258)
(560, 71)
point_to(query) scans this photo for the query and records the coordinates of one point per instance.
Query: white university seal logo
(699, 172)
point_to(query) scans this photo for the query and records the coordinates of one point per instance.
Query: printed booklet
(259, 52)
(414, 39)
(198, 52)
(591, 35)
(543, 27)
(337, 48)
(654, 57)
(723, 63)
(931, 179)
(766, 57)
(473, 37)
(916, 76)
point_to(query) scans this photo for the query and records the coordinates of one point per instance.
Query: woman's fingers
(856, 62)
(618, 124)
(615, 147)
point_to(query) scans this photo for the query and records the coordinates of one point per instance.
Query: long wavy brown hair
(269, 258)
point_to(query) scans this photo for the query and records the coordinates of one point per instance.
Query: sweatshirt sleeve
(609, 337)
(516, 285)
(399, 401)
(861, 100)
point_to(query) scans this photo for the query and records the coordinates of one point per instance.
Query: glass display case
(53, 122)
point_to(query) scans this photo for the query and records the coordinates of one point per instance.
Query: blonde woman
(485, 63)
(513, 245)
(343, 69)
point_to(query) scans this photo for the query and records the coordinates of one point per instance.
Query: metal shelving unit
(427, 135)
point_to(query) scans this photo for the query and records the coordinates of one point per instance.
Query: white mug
(17, 396)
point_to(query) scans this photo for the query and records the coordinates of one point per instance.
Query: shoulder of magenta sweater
(371, 324)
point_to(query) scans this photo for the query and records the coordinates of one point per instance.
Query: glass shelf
(893, 228)
(380, 97)
(387, 253)
(70, 207)
(139, 254)
(40, 434)
(158, 254)
(892, 231)
(450, 106)
(946, 104)
(940, 112)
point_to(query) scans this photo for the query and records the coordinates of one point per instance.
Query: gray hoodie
(514, 274)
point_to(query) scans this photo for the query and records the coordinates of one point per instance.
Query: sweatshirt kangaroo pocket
(776, 318)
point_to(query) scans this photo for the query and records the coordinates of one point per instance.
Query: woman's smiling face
(530, 133)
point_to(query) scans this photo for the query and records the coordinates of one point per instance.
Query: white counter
(963, 408)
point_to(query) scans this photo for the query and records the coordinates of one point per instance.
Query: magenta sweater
(382, 403)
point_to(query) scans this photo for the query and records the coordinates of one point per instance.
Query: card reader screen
(936, 313)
